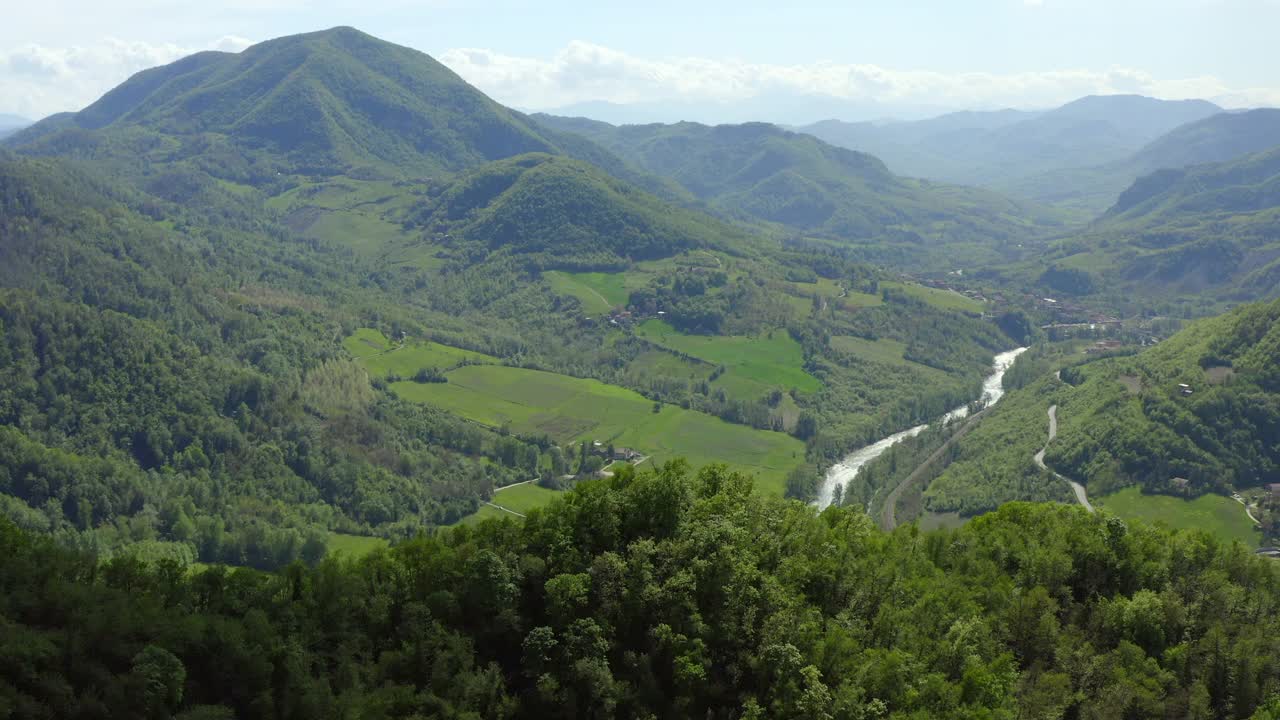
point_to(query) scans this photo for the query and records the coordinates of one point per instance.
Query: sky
(712, 60)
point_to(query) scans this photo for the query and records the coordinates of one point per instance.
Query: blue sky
(61, 54)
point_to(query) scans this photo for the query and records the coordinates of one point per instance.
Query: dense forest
(662, 594)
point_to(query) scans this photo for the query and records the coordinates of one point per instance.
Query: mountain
(569, 213)
(1204, 234)
(760, 172)
(10, 124)
(216, 345)
(331, 102)
(1002, 150)
(1217, 138)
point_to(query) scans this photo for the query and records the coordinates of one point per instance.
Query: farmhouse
(626, 454)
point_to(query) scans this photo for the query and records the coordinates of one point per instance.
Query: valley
(331, 386)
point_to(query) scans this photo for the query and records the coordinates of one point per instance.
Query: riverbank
(841, 473)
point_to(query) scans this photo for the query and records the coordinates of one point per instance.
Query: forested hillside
(1197, 413)
(157, 388)
(760, 172)
(216, 352)
(1217, 138)
(661, 595)
(1195, 235)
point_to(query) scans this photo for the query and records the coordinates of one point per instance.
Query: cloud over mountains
(36, 80)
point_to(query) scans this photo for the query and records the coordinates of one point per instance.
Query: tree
(160, 676)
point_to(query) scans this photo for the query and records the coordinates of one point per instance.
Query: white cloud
(583, 72)
(37, 80)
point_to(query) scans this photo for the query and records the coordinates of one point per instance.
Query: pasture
(382, 357)
(942, 299)
(573, 410)
(1218, 514)
(598, 292)
(523, 498)
(753, 365)
(353, 546)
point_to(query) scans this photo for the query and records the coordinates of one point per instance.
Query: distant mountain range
(1040, 156)
(1206, 232)
(9, 124)
(760, 172)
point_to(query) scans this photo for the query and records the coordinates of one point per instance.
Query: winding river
(845, 470)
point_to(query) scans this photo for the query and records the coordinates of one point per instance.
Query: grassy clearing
(484, 513)
(598, 292)
(664, 364)
(354, 545)
(383, 358)
(1220, 515)
(883, 350)
(365, 233)
(944, 299)
(573, 409)
(753, 364)
(523, 498)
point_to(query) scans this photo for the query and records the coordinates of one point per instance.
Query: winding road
(1076, 487)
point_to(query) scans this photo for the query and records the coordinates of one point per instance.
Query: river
(848, 467)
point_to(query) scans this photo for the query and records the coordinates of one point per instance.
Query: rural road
(602, 298)
(888, 516)
(1247, 511)
(506, 510)
(1076, 487)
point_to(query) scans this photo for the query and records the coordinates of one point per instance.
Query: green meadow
(523, 498)
(942, 299)
(573, 409)
(353, 546)
(753, 365)
(598, 292)
(1218, 514)
(382, 357)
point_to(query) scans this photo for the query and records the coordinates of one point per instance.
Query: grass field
(523, 498)
(598, 292)
(1219, 515)
(353, 545)
(484, 513)
(753, 365)
(883, 350)
(382, 357)
(944, 299)
(664, 364)
(573, 409)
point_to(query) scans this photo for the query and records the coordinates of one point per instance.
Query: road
(888, 516)
(1247, 511)
(1076, 487)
